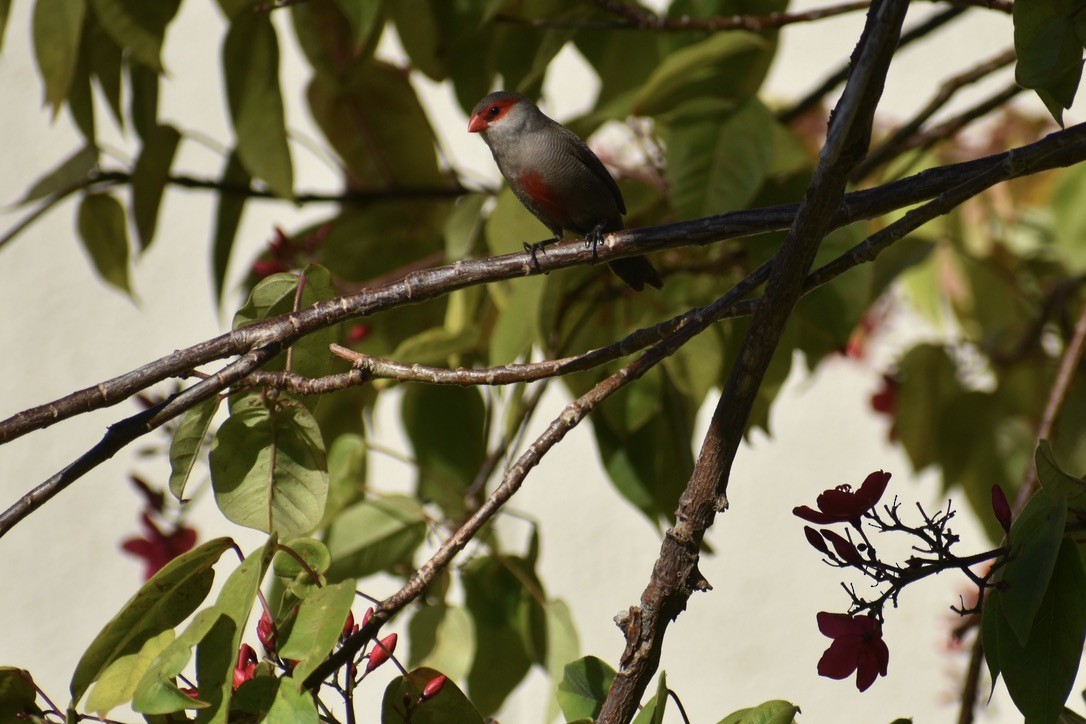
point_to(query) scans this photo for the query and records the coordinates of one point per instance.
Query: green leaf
(317, 628)
(216, 632)
(1058, 484)
(513, 333)
(377, 126)
(312, 551)
(105, 237)
(268, 467)
(1040, 672)
(346, 474)
(104, 58)
(510, 225)
(363, 15)
(1049, 51)
(57, 29)
(375, 535)
(717, 161)
(1035, 544)
(776, 711)
(227, 217)
(434, 346)
(149, 177)
(653, 711)
(274, 701)
(17, 694)
(163, 602)
(450, 705)
(250, 59)
(233, 7)
(463, 225)
(138, 26)
(144, 103)
(70, 172)
(442, 637)
(696, 70)
(80, 94)
(446, 428)
(563, 646)
(276, 295)
(188, 438)
(929, 379)
(993, 629)
(584, 687)
(496, 597)
(117, 684)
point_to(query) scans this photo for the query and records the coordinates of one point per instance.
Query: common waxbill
(556, 175)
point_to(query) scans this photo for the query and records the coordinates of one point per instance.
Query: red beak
(477, 124)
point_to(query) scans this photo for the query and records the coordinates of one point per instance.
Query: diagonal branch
(675, 575)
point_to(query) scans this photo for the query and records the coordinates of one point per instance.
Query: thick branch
(676, 576)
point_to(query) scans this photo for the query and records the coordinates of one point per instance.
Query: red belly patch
(546, 197)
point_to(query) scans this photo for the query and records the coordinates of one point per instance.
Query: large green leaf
(274, 700)
(707, 68)
(250, 59)
(377, 126)
(57, 28)
(776, 711)
(138, 26)
(216, 633)
(1035, 539)
(17, 694)
(1039, 673)
(450, 704)
(104, 233)
(717, 159)
(375, 535)
(584, 687)
(268, 467)
(317, 627)
(149, 177)
(71, 171)
(188, 438)
(236, 183)
(1049, 50)
(442, 637)
(496, 597)
(446, 427)
(118, 682)
(163, 602)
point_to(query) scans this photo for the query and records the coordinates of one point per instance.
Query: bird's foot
(539, 246)
(593, 239)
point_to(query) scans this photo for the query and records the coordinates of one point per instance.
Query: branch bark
(676, 576)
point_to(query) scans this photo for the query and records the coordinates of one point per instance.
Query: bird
(556, 176)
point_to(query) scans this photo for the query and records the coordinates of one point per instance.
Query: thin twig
(838, 77)
(895, 144)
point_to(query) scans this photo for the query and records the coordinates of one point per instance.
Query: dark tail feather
(636, 272)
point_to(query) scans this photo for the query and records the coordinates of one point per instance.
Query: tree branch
(675, 575)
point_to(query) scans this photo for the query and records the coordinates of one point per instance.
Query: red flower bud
(815, 539)
(266, 633)
(366, 616)
(348, 625)
(433, 688)
(191, 692)
(844, 548)
(381, 652)
(358, 333)
(1001, 508)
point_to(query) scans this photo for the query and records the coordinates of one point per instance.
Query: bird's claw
(535, 248)
(594, 238)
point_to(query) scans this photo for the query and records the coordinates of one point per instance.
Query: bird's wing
(592, 163)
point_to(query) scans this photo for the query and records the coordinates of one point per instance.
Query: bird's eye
(493, 110)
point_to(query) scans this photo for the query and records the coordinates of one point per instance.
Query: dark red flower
(246, 666)
(843, 505)
(885, 400)
(159, 548)
(857, 647)
(1001, 508)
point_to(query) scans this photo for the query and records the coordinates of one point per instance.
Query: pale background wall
(753, 638)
